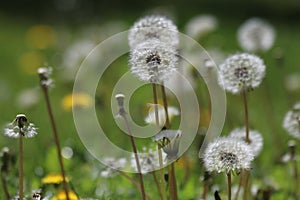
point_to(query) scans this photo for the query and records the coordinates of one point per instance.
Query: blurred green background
(47, 33)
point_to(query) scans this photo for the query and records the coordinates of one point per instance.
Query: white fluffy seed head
(153, 27)
(291, 122)
(227, 154)
(153, 61)
(256, 35)
(256, 139)
(240, 72)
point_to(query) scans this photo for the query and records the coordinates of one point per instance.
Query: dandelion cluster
(256, 140)
(22, 126)
(153, 45)
(241, 72)
(291, 122)
(227, 155)
(256, 35)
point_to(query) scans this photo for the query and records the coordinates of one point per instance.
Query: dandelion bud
(120, 100)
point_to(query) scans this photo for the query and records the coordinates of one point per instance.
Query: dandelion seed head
(153, 61)
(227, 155)
(201, 25)
(113, 165)
(150, 119)
(291, 122)
(153, 27)
(256, 139)
(45, 74)
(256, 35)
(22, 126)
(241, 72)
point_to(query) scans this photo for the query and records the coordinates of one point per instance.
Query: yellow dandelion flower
(54, 179)
(78, 100)
(61, 195)
(41, 36)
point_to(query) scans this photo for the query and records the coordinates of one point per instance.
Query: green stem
(65, 185)
(165, 101)
(159, 147)
(246, 181)
(172, 182)
(229, 185)
(239, 187)
(136, 157)
(21, 167)
(4, 185)
(246, 115)
(157, 184)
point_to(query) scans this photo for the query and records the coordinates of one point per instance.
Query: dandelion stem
(161, 168)
(135, 184)
(229, 185)
(239, 187)
(157, 184)
(4, 185)
(172, 182)
(206, 185)
(246, 173)
(21, 166)
(246, 181)
(295, 169)
(136, 157)
(65, 185)
(246, 115)
(164, 96)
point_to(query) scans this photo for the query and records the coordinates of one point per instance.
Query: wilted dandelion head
(256, 35)
(113, 165)
(44, 74)
(169, 140)
(20, 125)
(227, 155)
(291, 122)
(256, 140)
(241, 72)
(153, 27)
(153, 61)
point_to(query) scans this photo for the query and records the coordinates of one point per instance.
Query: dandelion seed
(153, 27)
(241, 72)
(256, 140)
(153, 61)
(19, 126)
(291, 122)
(227, 155)
(256, 35)
(169, 140)
(112, 166)
(150, 119)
